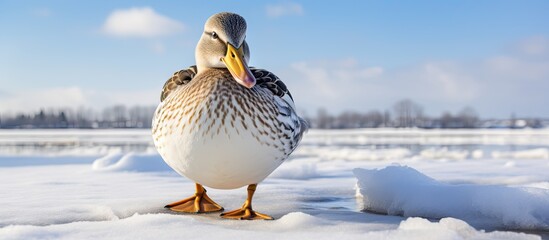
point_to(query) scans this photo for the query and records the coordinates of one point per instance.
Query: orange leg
(199, 203)
(246, 212)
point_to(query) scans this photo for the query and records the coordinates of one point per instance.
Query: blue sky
(339, 55)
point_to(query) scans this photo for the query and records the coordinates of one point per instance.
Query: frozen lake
(82, 184)
(98, 142)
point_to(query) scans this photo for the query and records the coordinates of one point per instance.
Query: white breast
(222, 148)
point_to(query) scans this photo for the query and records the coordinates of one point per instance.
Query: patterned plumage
(223, 124)
(213, 106)
(180, 77)
(264, 78)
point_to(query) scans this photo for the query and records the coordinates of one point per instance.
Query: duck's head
(223, 45)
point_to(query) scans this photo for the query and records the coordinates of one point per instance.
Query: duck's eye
(214, 35)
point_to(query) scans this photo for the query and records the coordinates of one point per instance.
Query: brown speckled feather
(268, 80)
(265, 79)
(179, 78)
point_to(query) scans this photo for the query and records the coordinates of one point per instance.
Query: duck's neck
(202, 69)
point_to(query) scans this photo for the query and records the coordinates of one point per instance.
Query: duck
(222, 123)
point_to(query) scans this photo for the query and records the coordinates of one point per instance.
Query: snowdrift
(131, 162)
(295, 225)
(401, 190)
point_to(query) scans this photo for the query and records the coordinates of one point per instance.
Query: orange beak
(234, 60)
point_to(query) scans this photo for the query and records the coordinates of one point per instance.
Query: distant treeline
(404, 114)
(118, 116)
(408, 114)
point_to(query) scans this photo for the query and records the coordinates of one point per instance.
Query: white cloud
(495, 86)
(30, 100)
(338, 86)
(335, 84)
(140, 22)
(148, 97)
(317, 76)
(448, 82)
(284, 9)
(526, 69)
(534, 46)
(74, 97)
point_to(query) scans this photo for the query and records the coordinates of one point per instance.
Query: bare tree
(407, 113)
(446, 120)
(468, 117)
(372, 119)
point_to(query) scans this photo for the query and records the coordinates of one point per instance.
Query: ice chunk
(107, 160)
(131, 162)
(401, 190)
(446, 228)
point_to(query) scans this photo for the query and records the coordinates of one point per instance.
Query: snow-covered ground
(348, 184)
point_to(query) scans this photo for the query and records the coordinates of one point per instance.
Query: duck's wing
(268, 80)
(284, 100)
(179, 78)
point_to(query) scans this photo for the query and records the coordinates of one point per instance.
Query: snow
(537, 153)
(427, 137)
(400, 190)
(295, 225)
(444, 153)
(348, 153)
(74, 142)
(111, 184)
(131, 162)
